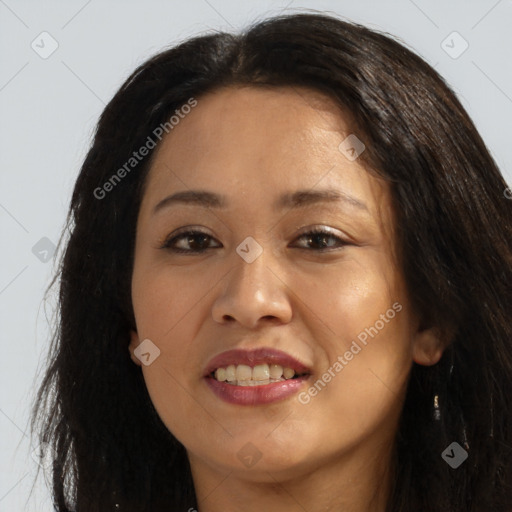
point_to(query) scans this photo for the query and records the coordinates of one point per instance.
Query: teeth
(243, 372)
(276, 371)
(254, 382)
(288, 373)
(230, 372)
(220, 374)
(261, 374)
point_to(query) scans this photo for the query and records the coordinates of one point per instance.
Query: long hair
(454, 241)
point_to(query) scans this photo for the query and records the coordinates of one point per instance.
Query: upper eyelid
(303, 231)
(187, 230)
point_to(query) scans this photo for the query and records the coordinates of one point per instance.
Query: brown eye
(324, 240)
(197, 242)
(192, 242)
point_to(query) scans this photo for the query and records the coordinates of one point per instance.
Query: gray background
(49, 107)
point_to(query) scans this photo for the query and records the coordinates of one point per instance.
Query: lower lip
(255, 395)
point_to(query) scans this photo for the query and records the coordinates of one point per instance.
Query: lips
(260, 392)
(253, 358)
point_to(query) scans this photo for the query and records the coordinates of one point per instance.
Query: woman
(287, 286)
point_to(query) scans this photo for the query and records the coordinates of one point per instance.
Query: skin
(333, 453)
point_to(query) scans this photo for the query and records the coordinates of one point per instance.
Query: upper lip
(254, 357)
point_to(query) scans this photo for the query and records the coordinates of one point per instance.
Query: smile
(253, 377)
(259, 375)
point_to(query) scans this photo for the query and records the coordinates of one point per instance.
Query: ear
(429, 345)
(134, 343)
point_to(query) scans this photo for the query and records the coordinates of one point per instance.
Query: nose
(252, 293)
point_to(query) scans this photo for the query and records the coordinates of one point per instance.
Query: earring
(437, 412)
(464, 434)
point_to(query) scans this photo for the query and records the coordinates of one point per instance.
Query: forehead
(268, 122)
(260, 143)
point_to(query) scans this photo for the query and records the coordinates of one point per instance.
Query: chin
(259, 457)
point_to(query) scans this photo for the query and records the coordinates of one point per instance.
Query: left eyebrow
(198, 197)
(298, 199)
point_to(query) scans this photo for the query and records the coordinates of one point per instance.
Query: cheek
(168, 306)
(363, 332)
(164, 300)
(348, 297)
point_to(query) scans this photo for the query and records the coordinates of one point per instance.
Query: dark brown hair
(454, 232)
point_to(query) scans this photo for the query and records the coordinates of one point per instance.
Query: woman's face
(332, 305)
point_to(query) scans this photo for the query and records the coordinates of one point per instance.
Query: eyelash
(194, 233)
